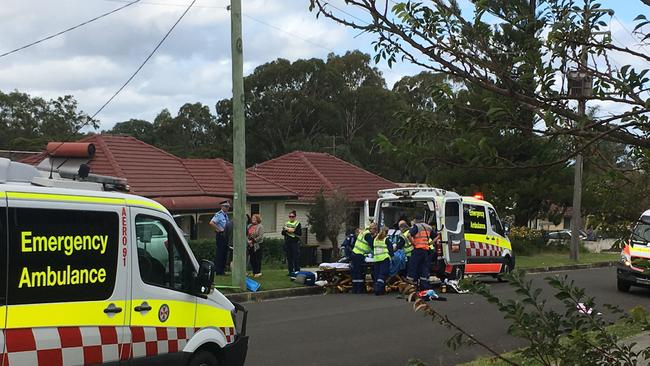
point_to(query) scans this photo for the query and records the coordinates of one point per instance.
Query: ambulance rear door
(66, 285)
(163, 305)
(452, 233)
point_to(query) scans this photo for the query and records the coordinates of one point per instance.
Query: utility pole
(239, 148)
(585, 91)
(576, 215)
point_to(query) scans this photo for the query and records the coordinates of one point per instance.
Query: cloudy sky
(193, 65)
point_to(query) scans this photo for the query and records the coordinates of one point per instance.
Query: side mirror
(506, 228)
(205, 279)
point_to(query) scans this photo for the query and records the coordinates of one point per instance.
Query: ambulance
(474, 239)
(89, 276)
(634, 266)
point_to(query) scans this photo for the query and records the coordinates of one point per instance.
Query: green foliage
(327, 216)
(28, 123)
(272, 249)
(563, 337)
(526, 241)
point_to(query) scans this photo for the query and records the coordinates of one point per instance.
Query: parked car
(562, 236)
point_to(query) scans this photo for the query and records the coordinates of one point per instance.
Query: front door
(162, 308)
(66, 289)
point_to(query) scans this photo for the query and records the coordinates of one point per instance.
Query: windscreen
(641, 232)
(391, 212)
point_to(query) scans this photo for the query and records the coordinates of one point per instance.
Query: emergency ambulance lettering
(64, 277)
(62, 243)
(476, 225)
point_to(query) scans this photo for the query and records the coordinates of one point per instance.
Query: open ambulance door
(453, 236)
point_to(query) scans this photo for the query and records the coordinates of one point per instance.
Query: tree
(337, 105)
(441, 38)
(138, 128)
(327, 217)
(28, 123)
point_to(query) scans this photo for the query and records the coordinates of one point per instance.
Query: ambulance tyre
(204, 358)
(457, 273)
(505, 268)
(623, 286)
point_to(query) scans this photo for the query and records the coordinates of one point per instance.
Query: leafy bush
(527, 241)
(272, 249)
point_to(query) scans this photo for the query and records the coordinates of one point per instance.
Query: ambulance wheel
(623, 286)
(204, 358)
(457, 273)
(505, 269)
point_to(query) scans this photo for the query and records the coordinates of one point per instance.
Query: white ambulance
(634, 266)
(474, 239)
(95, 277)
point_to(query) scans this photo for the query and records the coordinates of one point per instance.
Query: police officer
(382, 252)
(420, 235)
(362, 248)
(220, 222)
(292, 231)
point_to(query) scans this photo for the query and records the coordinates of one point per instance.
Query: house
(306, 173)
(190, 189)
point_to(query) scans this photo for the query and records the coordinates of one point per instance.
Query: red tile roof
(204, 170)
(307, 172)
(152, 172)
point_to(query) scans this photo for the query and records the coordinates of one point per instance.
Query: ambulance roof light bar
(411, 191)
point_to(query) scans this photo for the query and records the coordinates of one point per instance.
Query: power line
(68, 29)
(145, 60)
(170, 4)
(287, 32)
(641, 45)
(245, 15)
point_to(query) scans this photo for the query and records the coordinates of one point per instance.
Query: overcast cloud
(194, 63)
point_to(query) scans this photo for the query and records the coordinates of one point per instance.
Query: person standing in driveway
(220, 222)
(292, 231)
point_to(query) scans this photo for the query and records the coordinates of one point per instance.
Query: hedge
(272, 249)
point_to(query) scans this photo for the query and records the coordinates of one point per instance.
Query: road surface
(346, 329)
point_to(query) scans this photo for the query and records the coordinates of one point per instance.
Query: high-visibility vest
(408, 247)
(361, 246)
(380, 250)
(421, 239)
(292, 225)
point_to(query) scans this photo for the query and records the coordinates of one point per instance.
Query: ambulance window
(495, 223)
(474, 219)
(3, 256)
(161, 256)
(61, 255)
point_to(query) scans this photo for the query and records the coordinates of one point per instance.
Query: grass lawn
(561, 259)
(271, 279)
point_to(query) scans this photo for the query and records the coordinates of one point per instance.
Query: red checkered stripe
(91, 345)
(478, 249)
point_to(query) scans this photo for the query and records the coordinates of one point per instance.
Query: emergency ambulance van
(474, 240)
(634, 266)
(95, 277)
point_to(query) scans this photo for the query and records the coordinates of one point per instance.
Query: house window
(255, 208)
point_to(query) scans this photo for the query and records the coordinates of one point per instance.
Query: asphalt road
(348, 329)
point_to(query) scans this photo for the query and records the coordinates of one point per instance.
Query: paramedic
(382, 252)
(362, 248)
(420, 233)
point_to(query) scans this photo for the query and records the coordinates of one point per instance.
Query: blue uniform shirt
(220, 219)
